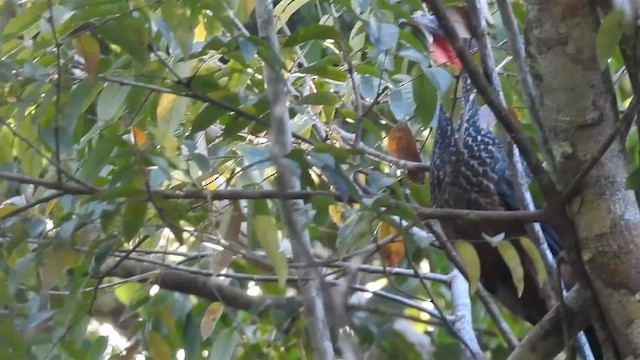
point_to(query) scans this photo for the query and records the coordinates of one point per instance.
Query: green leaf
(312, 32)
(357, 232)
(110, 100)
(266, 232)
(320, 98)
(382, 35)
(425, 95)
(225, 344)
(97, 158)
(127, 292)
(177, 18)
(158, 347)
(326, 72)
(512, 259)
(536, 259)
(26, 19)
(120, 30)
(80, 99)
(633, 181)
(208, 116)
(133, 218)
(608, 36)
(401, 102)
(54, 266)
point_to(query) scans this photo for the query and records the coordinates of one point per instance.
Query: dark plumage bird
(470, 170)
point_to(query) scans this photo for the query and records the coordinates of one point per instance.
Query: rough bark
(579, 112)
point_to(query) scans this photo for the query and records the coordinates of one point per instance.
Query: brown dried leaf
(402, 145)
(392, 252)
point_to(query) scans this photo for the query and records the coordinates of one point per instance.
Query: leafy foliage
(139, 131)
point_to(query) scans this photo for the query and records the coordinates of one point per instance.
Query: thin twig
(33, 204)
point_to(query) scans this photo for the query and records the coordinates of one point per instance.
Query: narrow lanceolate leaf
(210, 319)
(312, 32)
(608, 37)
(392, 252)
(471, 262)
(267, 234)
(285, 9)
(88, 47)
(536, 259)
(158, 347)
(133, 218)
(512, 259)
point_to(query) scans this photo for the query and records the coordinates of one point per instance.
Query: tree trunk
(578, 111)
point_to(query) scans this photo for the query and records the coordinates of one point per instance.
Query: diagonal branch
(209, 288)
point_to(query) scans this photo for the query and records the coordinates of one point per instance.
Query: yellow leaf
(210, 319)
(512, 259)
(471, 262)
(285, 9)
(392, 252)
(55, 264)
(139, 137)
(126, 292)
(536, 259)
(267, 234)
(7, 208)
(88, 47)
(165, 105)
(335, 212)
(158, 348)
(200, 33)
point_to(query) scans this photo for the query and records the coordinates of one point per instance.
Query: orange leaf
(402, 145)
(393, 252)
(139, 137)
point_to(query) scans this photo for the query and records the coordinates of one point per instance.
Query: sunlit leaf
(402, 145)
(608, 36)
(126, 292)
(512, 259)
(89, 49)
(312, 32)
(393, 252)
(267, 235)
(55, 264)
(536, 259)
(285, 9)
(210, 319)
(471, 261)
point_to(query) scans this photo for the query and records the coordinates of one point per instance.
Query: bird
(470, 170)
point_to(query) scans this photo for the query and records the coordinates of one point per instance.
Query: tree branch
(292, 210)
(209, 288)
(546, 340)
